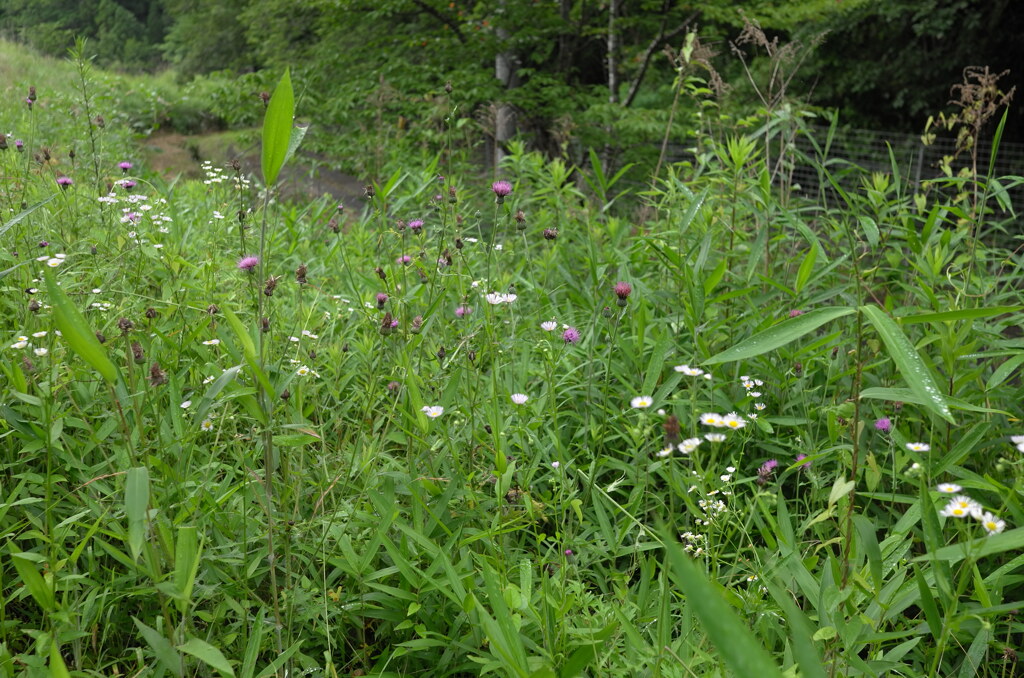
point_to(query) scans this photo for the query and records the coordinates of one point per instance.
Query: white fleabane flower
(211, 342)
(961, 506)
(688, 371)
(432, 411)
(519, 398)
(1017, 440)
(949, 488)
(714, 437)
(712, 419)
(207, 425)
(549, 325)
(641, 402)
(918, 447)
(186, 404)
(37, 335)
(733, 420)
(991, 523)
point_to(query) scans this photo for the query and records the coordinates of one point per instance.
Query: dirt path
(304, 177)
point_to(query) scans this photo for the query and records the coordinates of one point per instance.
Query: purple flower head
(623, 290)
(125, 166)
(795, 312)
(884, 425)
(571, 335)
(416, 225)
(463, 311)
(394, 324)
(381, 299)
(404, 259)
(248, 263)
(801, 457)
(501, 189)
(29, 102)
(128, 184)
(19, 144)
(568, 553)
(64, 182)
(766, 470)
(43, 243)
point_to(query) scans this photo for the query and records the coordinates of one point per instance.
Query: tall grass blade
(76, 331)
(780, 335)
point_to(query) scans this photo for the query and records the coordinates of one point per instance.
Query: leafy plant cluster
(535, 427)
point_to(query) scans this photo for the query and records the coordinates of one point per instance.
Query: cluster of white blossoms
(694, 542)
(495, 298)
(962, 506)
(731, 420)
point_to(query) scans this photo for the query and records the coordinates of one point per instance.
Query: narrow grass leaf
(905, 395)
(208, 654)
(76, 331)
(739, 648)
(20, 216)
(909, 362)
(961, 314)
(187, 551)
(780, 335)
(277, 129)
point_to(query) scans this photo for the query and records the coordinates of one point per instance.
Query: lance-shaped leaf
(277, 129)
(780, 335)
(909, 363)
(76, 331)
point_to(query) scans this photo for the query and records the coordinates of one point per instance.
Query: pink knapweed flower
(501, 188)
(248, 263)
(795, 312)
(381, 299)
(884, 425)
(64, 182)
(125, 166)
(571, 335)
(463, 311)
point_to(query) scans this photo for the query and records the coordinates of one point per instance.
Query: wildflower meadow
(550, 422)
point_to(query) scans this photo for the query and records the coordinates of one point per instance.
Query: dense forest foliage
(599, 74)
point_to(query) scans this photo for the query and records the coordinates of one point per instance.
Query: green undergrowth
(548, 427)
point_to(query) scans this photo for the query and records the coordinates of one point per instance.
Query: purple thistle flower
(795, 312)
(884, 425)
(801, 457)
(463, 311)
(248, 263)
(125, 166)
(19, 144)
(571, 335)
(501, 190)
(64, 182)
(416, 225)
(381, 299)
(128, 184)
(404, 259)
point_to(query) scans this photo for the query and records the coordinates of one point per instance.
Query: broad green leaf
(961, 314)
(905, 395)
(187, 550)
(161, 647)
(870, 230)
(58, 669)
(277, 129)
(272, 667)
(207, 654)
(908, 362)
(30, 577)
(780, 335)
(739, 648)
(136, 504)
(977, 548)
(76, 331)
(806, 268)
(298, 133)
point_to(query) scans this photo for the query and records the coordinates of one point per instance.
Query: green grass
(348, 488)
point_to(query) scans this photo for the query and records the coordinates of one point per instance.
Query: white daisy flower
(641, 402)
(918, 447)
(689, 371)
(38, 335)
(949, 488)
(432, 411)
(207, 425)
(961, 506)
(519, 398)
(714, 437)
(211, 342)
(40, 351)
(549, 325)
(19, 344)
(186, 404)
